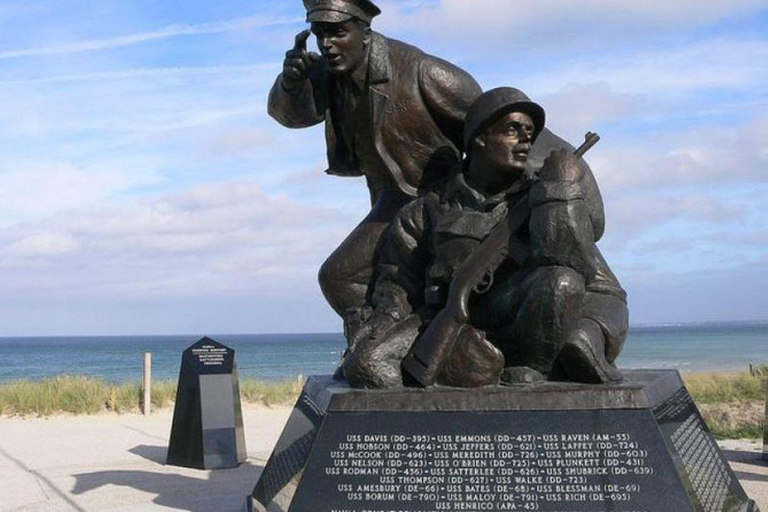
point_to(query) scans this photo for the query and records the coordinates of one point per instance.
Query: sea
(276, 357)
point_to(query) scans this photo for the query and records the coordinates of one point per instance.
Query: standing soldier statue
(392, 114)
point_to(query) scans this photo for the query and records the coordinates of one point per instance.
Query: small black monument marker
(207, 431)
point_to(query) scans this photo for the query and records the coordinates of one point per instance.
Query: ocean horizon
(703, 346)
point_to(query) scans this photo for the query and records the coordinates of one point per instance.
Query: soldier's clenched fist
(298, 62)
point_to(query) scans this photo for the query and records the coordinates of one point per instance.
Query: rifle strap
(517, 216)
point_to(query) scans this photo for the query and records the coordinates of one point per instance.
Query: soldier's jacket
(432, 236)
(417, 107)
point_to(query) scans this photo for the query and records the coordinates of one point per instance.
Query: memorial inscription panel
(211, 357)
(713, 487)
(555, 461)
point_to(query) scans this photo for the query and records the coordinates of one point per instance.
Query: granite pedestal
(640, 446)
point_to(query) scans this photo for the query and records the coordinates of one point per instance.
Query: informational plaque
(638, 447)
(207, 431)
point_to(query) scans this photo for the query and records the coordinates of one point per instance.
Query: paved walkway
(746, 461)
(115, 463)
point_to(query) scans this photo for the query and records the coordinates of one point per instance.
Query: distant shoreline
(700, 325)
(638, 326)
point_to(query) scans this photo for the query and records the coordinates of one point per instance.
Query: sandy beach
(116, 463)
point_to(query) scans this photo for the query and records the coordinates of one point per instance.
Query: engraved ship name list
(486, 472)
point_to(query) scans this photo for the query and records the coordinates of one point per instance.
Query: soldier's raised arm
(297, 98)
(560, 226)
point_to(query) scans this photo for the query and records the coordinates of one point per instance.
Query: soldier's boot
(582, 357)
(521, 376)
(353, 318)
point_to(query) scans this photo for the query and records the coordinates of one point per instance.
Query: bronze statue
(392, 114)
(550, 307)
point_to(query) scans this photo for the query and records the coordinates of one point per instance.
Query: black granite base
(207, 430)
(636, 447)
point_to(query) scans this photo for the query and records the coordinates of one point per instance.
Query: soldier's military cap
(338, 11)
(495, 103)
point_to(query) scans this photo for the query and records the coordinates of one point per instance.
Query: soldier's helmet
(339, 11)
(495, 103)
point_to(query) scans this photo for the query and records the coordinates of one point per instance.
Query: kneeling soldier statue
(498, 278)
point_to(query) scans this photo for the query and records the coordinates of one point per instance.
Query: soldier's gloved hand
(561, 165)
(298, 62)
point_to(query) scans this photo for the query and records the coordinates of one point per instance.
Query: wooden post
(146, 405)
(765, 421)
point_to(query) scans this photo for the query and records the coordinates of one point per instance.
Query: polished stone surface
(207, 431)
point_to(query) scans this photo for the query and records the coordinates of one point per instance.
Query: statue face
(507, 141)
(342, 44)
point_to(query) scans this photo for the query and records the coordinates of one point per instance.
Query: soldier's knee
(338, 291)
(611, 314)
(560, 282)
(568, 281)
(327, 276)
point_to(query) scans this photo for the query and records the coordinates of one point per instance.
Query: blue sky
(144, 189)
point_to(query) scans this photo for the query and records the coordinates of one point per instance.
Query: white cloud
(35, 189)
(44, 244)
(170, 31)
(670, 159)
(576, 108)
(220, 238)
(713, 63)
(233, 142)
(632, 215)
(144, 73)
(556, 21)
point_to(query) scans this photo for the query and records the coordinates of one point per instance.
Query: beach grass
(271, 393)
(87, 395)
(732, 404)
(724, 388)
(79, 395)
